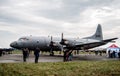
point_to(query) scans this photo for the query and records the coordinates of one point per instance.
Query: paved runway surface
(17, 58)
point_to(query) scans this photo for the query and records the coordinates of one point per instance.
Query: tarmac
(18, 58)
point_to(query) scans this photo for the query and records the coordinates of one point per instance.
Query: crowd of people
(113, 54)
(68, 55)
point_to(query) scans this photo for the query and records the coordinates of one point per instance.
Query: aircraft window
(23, 39)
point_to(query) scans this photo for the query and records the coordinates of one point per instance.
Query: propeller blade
(51, 38)
(62, 36)
(63, 41)
(52, 43)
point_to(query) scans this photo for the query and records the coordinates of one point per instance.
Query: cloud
(52, 17)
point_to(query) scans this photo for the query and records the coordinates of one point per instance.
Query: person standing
(109, 55)
(70, 56)
(0, 52)
(113, 54)
(119, 54)
(64, 56)
(25, 54)
(36, 53)
(100, 52)
(66, 52)
(28, 52)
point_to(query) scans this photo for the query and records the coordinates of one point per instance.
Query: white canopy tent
(112, 48)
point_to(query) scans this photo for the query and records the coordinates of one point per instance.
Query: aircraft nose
(13, 44)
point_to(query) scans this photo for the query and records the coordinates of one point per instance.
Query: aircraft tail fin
(98, 34)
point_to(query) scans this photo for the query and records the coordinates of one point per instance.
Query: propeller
(63, 41)
(52, 44)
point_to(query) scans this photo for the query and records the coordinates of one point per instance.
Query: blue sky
(76, 18)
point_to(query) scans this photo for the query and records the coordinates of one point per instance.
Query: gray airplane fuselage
(33, 42)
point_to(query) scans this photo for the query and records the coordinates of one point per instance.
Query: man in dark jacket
(119, 54)
(36, 53)
(0, 52)
(25, 54)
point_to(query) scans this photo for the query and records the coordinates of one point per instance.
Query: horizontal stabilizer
(109, 40)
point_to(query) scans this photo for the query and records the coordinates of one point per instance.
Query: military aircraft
(58, 44)
(3, 50)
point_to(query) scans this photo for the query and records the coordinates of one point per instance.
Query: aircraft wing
(89, 45)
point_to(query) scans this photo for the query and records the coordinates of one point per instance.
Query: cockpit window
(22, 39)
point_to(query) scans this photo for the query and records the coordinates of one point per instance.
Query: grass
(82, 68)
(17, 52)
